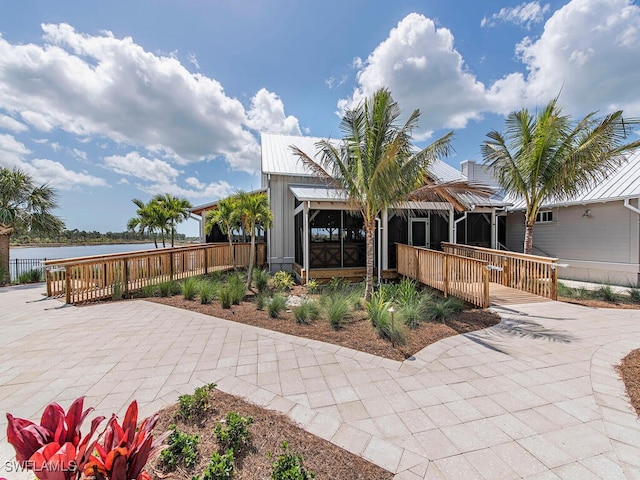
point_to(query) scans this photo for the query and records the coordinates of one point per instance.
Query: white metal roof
(278, 159)
(624, 183)
(318, 193)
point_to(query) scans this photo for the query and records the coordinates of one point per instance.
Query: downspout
(268, 232)
(200, 221)
(455, 227)
(379, 250)
(635, 210)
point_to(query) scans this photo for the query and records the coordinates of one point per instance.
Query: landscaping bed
(629, 370)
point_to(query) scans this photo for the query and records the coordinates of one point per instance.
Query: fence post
(554, 282)
(485, 281)
(206, 260)
(47, 278)
(171, 266)
(505, 270)
(126, 276)
(445, 274)
(67, 285)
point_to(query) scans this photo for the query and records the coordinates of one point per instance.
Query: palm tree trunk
(231, 252)
(370, 235)
(528, 238)
(252, 253)
(173, 231)
(4, 258)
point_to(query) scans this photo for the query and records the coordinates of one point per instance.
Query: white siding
(601, 247)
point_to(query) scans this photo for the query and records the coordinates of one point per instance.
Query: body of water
(70, 251)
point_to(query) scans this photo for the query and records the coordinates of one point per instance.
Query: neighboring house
(315, 231)
(596, 234)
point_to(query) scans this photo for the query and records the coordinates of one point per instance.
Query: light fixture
(587, 213)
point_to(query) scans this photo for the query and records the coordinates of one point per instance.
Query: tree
(176, 210)
(24, 207)
(225, 216)
(375, 163)
(145, 221)
(253, 212)
(546, 157)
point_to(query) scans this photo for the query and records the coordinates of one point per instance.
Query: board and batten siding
(282, 234)
(603, 246)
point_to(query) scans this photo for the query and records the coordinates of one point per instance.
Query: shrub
(313, 286)
(442, 310)
(634, 294)
(289, 466)
(190, 288)
(261, 300)
(166, 289)
(220, 467)
(233, 434)
(193, 407)
(237, 287)
(283, 281)
(307, 312)
(406, 292)
(412, 313)
(336, 285)
(387, 291)
(118, 291)
(276, 305)
(225, 294)
(206, 291)
(391, 328)
(606, 293)
(378, 307)
(261, 280)
(338, 309)
(32, 276)
(182, 450)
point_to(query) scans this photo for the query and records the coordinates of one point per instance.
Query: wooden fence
(462, 277)
(86, 279)
(530, 273)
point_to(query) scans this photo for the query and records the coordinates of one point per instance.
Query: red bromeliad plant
(54, 450)
(125, 448)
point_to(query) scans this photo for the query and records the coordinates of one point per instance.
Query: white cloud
(525, 14)
(13, 155)
(193, 60)
(135, 165)
(100, 85)
(267, 114)
(195, 192)
(80, 154)
(9, 123)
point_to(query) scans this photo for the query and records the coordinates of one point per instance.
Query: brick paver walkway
(534, 397)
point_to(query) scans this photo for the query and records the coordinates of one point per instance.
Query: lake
(69, 251)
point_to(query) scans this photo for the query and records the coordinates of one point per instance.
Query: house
(316, 235)
(596, 234)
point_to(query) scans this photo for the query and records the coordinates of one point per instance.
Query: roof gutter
(628, 205)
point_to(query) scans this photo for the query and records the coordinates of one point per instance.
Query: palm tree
(175, 209)
(546, 157)
(145, 221)
(24, 206)
(253, 212)
(226, 217)
(375, 163)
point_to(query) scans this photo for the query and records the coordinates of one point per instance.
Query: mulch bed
(268, 430)
(629, 370)
(593, 303)
(357, 332)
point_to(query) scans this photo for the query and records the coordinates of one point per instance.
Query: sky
(111, 101)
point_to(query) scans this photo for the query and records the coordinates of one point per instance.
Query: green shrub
(261, 279)
(193, 407)
(206, 291)
(634, 294)
(233, 434)
(276, 305)
(412, 313)
(336, 285)
(442, 310)
(182, 450)
(313, 286)
(117, 291)
(261, 300)
(149, 291)
(289, 466)
(283, 281)
(307, 312)
(387, 292)
(32, 276)
(4, 275)
(225, 294)
(220, 467)
(338, 309)
(237, 287)
(190, 288)
(378, 307)
(391, 328)
(167, 289)
(406, 292)
(606, 293)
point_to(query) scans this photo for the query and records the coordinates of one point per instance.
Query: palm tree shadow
(495, 338)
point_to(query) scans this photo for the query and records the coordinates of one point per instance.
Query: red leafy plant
(56, 450)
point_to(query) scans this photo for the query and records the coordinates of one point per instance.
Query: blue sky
(109, 101)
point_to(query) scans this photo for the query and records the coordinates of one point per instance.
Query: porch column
(385, 240)
(305, 242)
(452, 225)
(494, 236)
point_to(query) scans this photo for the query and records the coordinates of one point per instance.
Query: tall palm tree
(253, 212)
(225, 216)
(24, 206)
(375, 163)
(176, 210)
(546, 156)
(145, 221)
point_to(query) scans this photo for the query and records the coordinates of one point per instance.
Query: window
(544, 217)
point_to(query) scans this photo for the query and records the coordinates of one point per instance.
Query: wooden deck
(500, 295)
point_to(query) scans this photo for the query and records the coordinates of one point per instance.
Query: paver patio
(533, 397)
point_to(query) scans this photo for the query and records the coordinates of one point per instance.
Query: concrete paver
(534, 397)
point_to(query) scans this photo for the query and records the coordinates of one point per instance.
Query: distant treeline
(76, 236)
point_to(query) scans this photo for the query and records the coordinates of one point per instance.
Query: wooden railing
(530, 273)
(462, 277)
(86, 279)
